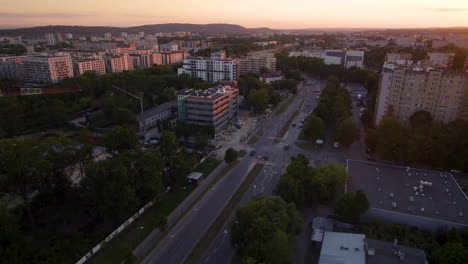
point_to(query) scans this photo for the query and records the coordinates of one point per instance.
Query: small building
(150, 117)
(343, 248)
(195, 178)
(357, 90)
(271, 77)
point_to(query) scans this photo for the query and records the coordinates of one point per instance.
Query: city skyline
(297, 14)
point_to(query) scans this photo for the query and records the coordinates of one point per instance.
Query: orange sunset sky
(283, 14)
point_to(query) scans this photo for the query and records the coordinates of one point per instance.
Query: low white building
(271, 77)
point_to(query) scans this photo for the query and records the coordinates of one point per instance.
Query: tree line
(422, 141)
(57, 217)
(158, 84)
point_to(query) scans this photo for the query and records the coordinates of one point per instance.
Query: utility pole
(137, 97)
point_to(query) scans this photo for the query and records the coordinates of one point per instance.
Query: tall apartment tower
(118, 63)
(46, 69)
(408, 88)
(211, 70)
(254, 63)
(217, 106)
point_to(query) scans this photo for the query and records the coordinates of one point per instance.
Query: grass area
(214, 229)
(276, 140)
(286, 126)
(241, 153)
(308, 146)
(260, 133)
(207, 166)
(253, 140)
(285, 105)
(121, 246)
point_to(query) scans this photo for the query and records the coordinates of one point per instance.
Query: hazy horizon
(293, 14)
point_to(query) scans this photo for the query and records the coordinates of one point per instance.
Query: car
(294, 124)
(286, 147)
(253, 152)
(301, 125)
(455, 171)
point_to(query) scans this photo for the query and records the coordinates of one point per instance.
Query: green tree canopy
(230, 155)
(263, 229)
(352, 206)
(120, 139)
(347, 132)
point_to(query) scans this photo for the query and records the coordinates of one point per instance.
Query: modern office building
(405, 89)
(46, 69)
(83, 65)
(118, 63)
(255, 62)
(217, 106)
(211, 70)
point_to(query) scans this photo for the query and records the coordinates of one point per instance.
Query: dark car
(294, 124)
(253, 152)
(286, 147)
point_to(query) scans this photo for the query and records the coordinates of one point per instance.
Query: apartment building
(46, 69)
(211, 70)
(118, 63)
(346, 58)
(216, 106)
(171, 57)
(439, 58)
(271, 77)
(11, 67)
(253, 63)
(409, 88)
(83, 65)
(397, 58)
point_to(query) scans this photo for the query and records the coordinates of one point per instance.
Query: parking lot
(423, 193)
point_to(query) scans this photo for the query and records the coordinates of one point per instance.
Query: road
(177, 245)
(221, 250)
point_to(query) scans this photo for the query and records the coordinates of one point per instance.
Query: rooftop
(195, 175)
(342, 248)
(156, 110)
(272, 75)
(385, 253)
(209, 93)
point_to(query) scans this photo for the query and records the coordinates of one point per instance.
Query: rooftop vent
(343, 248)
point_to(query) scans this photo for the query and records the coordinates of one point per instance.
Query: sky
(279, 14)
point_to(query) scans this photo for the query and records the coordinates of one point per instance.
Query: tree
(347, 132)
(230, 155)
(258, 99)
(420, 120)
(168, 144)
(262, 229)
(314, 128)
(450, 253)
(181, 166)
(201, 140)
(120, 139)
(23, 169)
(11, 238)
(392, 139)
(123, 116)
(352, 206)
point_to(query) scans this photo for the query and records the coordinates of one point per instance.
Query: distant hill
(165, 28)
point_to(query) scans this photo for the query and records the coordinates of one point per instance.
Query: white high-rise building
(46, 69)
(108, 35)
(211, 70)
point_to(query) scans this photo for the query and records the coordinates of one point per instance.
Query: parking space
(429, 194)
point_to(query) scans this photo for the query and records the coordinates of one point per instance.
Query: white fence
(113, 234)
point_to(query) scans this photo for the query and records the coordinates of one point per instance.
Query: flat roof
(156, 110)
(343, 248)
(384, 253)
(195, 175)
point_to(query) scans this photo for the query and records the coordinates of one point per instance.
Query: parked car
(253, 152)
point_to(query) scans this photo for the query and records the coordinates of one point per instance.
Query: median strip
(209, 236)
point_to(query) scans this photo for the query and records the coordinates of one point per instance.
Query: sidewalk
(153, 238)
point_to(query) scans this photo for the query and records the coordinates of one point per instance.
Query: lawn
(260, 133)
(207, 166)
(227, 211)
(241, 153)
(285, 105)
(286, 126)
(253, 140)
(308, 146)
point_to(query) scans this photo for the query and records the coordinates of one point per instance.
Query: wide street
(177, 245)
